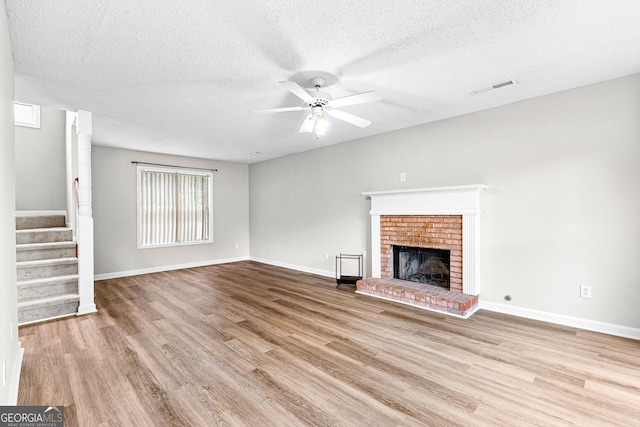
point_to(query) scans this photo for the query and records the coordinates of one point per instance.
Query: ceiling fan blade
(349, 118)
(278, 110)
(359, 98)
(307, 124)
(297, 90)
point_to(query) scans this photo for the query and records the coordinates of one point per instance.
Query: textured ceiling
(181, 77)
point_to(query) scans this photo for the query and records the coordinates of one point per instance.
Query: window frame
(180, 171)
(34, 121)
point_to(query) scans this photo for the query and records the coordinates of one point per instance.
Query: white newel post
(85, 215)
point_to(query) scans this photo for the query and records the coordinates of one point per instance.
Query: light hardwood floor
(251, 344)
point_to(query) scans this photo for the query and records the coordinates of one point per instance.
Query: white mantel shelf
(453, 200)
(452, 188)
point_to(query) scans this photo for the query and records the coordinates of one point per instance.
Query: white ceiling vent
(493, 86)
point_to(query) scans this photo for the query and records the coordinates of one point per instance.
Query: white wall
(562, 210)
(9, 345)
(114, 213)
(40, 163)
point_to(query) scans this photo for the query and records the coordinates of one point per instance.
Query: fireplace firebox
(424, 265)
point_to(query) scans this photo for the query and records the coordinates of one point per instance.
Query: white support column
(375, 246)
(85, 215)
(69, 155)
(471, 254)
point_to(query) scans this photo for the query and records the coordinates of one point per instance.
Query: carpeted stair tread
(49, 250)
(47, 280)
(32, 230)
(51, 307)
(47, 262)
(50, 301)
(25, 222)
(41, 268)
(44, 235)
(45, 245)
(36, 289)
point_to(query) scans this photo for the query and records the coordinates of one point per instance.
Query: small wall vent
(493, 86)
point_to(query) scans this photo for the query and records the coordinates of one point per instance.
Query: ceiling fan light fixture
(321, 125)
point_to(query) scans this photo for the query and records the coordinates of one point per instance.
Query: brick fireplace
(423, 231)
(445, 218)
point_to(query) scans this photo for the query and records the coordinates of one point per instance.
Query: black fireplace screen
(424, 265)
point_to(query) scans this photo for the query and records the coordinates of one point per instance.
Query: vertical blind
(174, 208)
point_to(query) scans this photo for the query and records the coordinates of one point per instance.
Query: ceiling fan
(320, 103)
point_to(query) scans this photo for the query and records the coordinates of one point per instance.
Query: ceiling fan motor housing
(318, 101)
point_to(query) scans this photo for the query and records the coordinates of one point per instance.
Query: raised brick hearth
(420, 295)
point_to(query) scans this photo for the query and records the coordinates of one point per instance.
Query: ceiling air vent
(493, 86)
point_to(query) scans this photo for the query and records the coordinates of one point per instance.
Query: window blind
(174, 207)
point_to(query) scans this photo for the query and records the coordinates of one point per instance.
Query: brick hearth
(420, 295)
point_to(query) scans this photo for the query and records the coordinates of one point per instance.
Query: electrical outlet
(326, 255)
(585, 291)
(403, 177)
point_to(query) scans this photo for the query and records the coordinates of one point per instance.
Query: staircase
(47, 268)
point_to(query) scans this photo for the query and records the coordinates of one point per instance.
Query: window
(26, 115)
(174, 207)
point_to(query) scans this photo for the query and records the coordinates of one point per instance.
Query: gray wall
(114, 212)
(8, 300)
(562, 210)
(40, 163)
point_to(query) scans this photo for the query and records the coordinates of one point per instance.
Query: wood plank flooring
(247, 344)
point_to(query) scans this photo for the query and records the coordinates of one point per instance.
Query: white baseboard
(560, 319)
(310, 270)
(140, 271)
(15, 376)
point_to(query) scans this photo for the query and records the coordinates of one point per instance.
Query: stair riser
(34, 255)
(47, 221)
(40, 313)
(46, 290)
(44, 236)
(39, 272)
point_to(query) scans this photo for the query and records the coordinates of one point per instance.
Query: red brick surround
(425, 231)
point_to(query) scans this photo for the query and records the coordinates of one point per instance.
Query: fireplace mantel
(454, 200)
